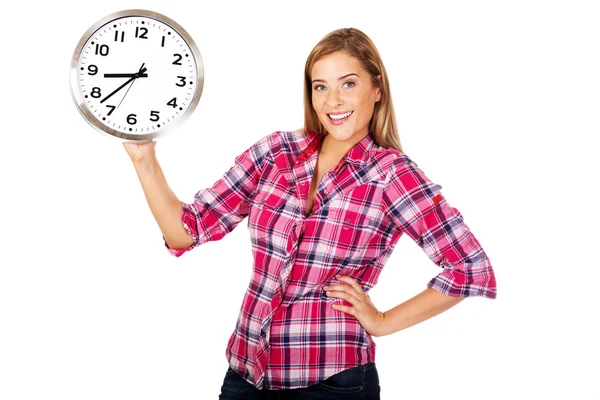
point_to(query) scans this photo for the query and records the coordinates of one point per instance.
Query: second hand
(126, 93)
(137, 75)
(141, 71)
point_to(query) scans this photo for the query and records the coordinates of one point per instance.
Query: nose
(334, 99)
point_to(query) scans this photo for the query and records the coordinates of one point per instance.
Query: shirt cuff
(189, 221)
(471, 280)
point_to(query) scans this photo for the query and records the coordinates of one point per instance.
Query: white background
(496, 101)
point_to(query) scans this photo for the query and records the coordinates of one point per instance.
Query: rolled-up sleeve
(217, 210)
(419, 209)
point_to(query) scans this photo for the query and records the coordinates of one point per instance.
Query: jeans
(359, 383)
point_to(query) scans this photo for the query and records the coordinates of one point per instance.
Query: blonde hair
(356, 44)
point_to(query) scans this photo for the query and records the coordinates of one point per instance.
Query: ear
(378, 90)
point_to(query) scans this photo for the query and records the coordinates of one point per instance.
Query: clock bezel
(165, 129)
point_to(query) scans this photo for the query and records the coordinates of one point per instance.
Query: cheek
(317, 103)
(366, 103)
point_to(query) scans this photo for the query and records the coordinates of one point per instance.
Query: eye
(319, 88)
(349, 84)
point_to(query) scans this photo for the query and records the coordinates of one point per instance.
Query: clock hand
(117, 89)
(125, 93)
(139, 73)
(125, 75)
(136, 75)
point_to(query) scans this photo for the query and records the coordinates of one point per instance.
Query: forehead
(335, 65)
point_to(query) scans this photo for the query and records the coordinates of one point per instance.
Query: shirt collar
(358, 154)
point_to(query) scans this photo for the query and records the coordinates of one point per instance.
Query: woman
(325, 205)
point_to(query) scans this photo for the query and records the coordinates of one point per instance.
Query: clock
(136, 75)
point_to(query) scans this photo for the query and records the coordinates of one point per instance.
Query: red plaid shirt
(287, 335)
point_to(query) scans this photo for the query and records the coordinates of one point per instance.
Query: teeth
(340, 116)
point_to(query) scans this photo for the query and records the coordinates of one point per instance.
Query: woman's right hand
(139, 152)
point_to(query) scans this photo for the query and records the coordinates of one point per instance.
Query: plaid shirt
(287, 335)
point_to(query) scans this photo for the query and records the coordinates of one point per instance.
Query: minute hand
(117, 89)
(135, 76)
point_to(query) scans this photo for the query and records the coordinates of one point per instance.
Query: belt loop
(364, 373)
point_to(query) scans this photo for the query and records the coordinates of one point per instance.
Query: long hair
(356, 44)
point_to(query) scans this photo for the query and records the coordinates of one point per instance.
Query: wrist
(382, 328)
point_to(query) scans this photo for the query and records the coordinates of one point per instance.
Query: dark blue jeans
(360, 383)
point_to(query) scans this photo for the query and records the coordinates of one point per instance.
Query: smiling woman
(326, 206)
(359, 63)
(344, 104)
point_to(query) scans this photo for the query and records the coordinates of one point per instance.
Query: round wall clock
(136, 75)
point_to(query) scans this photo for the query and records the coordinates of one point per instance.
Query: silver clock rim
(122, 136)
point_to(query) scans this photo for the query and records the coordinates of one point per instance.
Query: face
(343, 96)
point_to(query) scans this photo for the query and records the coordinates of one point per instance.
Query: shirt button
(326, 191)
(348, 220)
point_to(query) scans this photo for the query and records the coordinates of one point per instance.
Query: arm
(421, 307)
(215, 211)
(416, 206)
(164, 205)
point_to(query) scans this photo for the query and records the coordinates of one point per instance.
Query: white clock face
(136, 77)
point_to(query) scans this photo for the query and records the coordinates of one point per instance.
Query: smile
(337, 117)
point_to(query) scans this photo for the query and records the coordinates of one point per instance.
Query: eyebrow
(339, 79)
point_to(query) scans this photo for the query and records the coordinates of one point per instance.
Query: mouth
(338, 117)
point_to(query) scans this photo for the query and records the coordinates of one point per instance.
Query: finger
(343, 289)
(350, 281)
(344, 296)
(346, 309)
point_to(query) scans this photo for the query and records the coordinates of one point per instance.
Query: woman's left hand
(362, 307)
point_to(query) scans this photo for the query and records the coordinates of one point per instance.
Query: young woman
(325, 205)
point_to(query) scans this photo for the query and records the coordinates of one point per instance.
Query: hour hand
(126, 75)
(132, 78)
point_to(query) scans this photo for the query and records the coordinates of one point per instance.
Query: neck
(330, 146)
